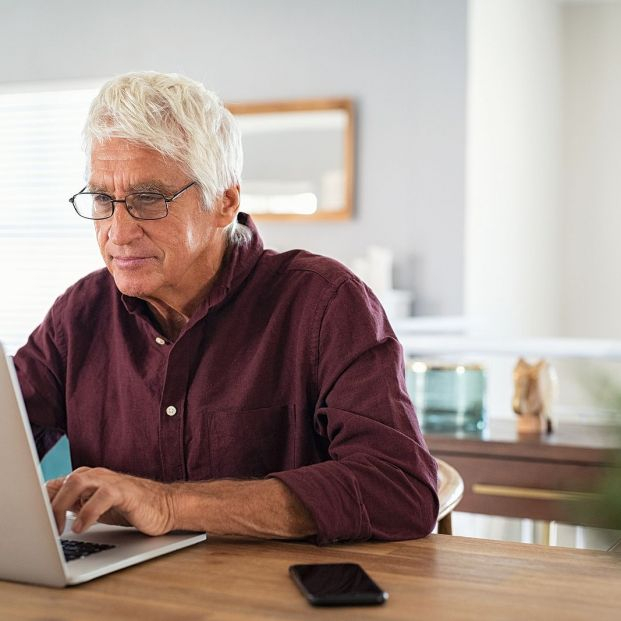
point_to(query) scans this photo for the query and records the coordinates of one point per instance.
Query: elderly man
(206, 383)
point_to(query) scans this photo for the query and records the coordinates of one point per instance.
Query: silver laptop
(30, 547)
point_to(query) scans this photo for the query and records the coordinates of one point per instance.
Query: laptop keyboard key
(74, 550)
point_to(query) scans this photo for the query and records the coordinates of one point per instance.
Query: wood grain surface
(436, 578)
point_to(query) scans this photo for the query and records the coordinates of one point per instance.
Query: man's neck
(172, 314)
(169, 321)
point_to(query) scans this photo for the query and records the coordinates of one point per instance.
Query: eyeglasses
(139, 205)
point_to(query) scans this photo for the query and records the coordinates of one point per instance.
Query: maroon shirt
(289, 368)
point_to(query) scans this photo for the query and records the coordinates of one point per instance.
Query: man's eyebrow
(150, 186)
(96, 189)
(143, 186)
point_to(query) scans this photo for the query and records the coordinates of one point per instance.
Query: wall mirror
(298, 159)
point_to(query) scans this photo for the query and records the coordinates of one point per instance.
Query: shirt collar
(239, 261)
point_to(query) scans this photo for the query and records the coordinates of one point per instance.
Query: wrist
(188, 506)
(173, 506)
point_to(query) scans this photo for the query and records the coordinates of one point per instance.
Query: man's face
(156, 260)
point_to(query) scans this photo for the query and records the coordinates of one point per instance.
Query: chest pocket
(251, 443)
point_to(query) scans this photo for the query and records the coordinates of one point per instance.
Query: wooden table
(549, 477)
(437, 578)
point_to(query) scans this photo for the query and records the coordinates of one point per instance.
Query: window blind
(44, 245)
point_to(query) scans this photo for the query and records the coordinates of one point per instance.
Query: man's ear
(226, 206)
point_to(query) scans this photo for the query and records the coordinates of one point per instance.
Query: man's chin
(133, 287)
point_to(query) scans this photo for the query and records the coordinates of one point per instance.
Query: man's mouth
(131, 262)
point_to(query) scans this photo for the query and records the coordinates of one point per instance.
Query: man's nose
(123, 228)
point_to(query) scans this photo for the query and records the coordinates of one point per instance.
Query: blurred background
(487, 161)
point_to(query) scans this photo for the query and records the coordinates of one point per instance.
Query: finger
(53, 486)
(68, 496)
(99, 503)
(82, 469)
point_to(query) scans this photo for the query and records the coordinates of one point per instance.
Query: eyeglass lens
(143, 205)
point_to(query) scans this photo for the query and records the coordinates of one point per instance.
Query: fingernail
(77, 526)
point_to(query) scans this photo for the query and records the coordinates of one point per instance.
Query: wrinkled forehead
(124, 150)
(117, 164)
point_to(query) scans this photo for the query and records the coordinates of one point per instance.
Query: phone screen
(336, 584)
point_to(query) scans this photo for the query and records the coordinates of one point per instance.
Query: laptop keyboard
(74, 550)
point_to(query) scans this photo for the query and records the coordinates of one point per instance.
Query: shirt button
(160, 341)
(171, 410)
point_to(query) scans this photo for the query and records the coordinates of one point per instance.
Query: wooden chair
(450, 492)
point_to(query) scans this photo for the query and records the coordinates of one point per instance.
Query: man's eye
(101, 199)
(148, 199)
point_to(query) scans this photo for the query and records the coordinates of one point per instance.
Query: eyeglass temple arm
(80, 192)
(174, 196)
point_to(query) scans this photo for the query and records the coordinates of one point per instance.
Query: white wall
(512, 167)
(542, 200)
(591, 293)
(403, 62)
(542, 225)
(543, 211)
(512, 238)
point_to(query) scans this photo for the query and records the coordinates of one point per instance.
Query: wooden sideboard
(551, 477)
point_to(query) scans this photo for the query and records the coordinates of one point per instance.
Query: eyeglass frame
(124, 200)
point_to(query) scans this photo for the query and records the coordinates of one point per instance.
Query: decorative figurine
(535, 390)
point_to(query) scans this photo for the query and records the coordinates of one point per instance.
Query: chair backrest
(450, 492)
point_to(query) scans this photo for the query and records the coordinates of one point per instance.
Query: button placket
(172, 413)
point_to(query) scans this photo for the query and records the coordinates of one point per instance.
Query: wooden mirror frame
(312, 105)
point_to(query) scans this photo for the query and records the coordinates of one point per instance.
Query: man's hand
(260, 508)
(98, 494)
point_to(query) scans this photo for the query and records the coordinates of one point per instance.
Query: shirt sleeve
(40, 367)
(381, 480)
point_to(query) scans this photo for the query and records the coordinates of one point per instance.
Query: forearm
(264, 508)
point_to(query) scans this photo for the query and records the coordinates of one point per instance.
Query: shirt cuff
(331, 494)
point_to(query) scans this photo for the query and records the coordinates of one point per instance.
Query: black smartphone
(336, 584)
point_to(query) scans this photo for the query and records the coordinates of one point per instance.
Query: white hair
(178, 118)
